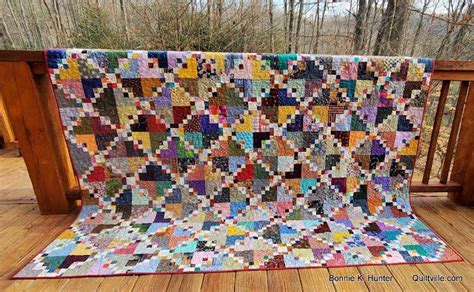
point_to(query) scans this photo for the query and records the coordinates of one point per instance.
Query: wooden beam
(453, 136)
(35, 121)
(74, 194)
(38, 56)
(436, 127)
(419, 187)
(453, 75)
(38, 68)
(453, 65)
(21, 56)
(6, 130)
(463, 165)
(51, 117)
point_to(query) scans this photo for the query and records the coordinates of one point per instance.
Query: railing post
(6, 130)
(31, 107)
(463, 165)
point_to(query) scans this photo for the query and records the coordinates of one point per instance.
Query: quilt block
(200, 162)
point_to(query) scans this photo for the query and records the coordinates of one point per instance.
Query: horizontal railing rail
(459, 70)
(30, 104)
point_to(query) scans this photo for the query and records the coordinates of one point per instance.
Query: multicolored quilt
(199, 162)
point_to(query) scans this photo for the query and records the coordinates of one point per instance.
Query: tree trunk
(285, 21)
(321, 24)
(123, 11)
(366, 25)
(457, 45)
(15, 20)
(59, 17)
(298, 26)
(5, 34)
(32, 10)
(316, 42)
(371, 31)
(243, 27)
(454, 14)
(53, 20)
(400, 16)
(290, 25)
(26, 26)
(385, 28)
(419, 26)
(220, 8)
(358, 30)
(210, 26)
(272, 29)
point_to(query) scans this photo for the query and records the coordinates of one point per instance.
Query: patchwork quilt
(200, 162)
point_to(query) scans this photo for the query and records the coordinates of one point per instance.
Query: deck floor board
(24, 232)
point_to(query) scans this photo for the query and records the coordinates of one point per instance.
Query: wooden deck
(24, 231)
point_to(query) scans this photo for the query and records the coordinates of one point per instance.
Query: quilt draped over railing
(198, 162)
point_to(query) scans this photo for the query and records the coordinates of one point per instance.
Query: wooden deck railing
(30, 103)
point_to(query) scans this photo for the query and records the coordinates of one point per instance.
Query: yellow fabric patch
(191, 69)
(67, 234)
(363, 87)
(356, 138)
(88, 140)
(234, 230)
(303, 253)
(415, 72)
(124, 112)
(148, 84)
(144, 137)
(284, 112)
(321, 113)
(134, 163)
(219, 61)
(340, 236)
(179, 98)
(246, 126)
(410, 149)
(72, 72)
(352, 184)
(81, 249)
(174, 210)
(259, 70)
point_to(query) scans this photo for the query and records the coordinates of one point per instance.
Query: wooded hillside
(432, 28)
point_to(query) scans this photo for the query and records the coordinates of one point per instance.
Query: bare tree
(17, 23)
(5, 35)
(372, 24)
(123, 11)
(285, 20)
(290, 25)
(298, 25)
(384, 28)
(398, 28)
(272, 28)
(359, 25)
(419, 25)
(454, 13)
(457, 45)
(319, 25)
(53, 19)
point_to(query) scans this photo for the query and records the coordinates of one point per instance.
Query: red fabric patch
(246, 173)
(180, 113)
(155, 125)
(376, 250)
(98, 174)
(98, 128)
